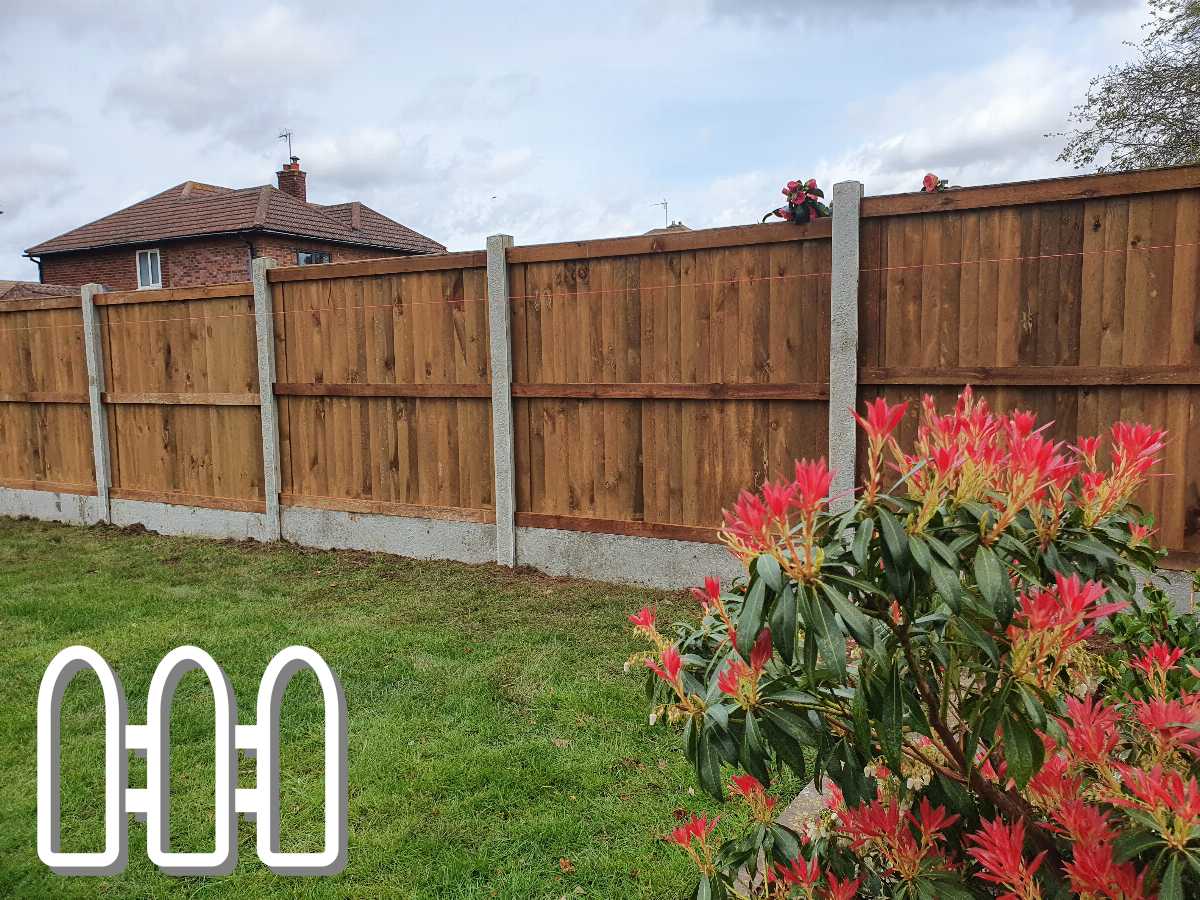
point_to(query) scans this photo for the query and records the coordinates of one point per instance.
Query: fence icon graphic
(260, 740)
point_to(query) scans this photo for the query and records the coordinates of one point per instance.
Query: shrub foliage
(930, 658)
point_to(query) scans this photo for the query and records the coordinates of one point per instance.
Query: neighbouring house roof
(669, 229)
(192, 209)
(26, 290)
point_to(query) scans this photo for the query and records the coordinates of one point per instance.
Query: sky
(548, 121)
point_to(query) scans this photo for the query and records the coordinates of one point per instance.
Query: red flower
(842, 890)
(1139, 534)
(730, 679)
(881, 420)
(643, 620)
(929, 183)
(710, 593)
(778, 497)
(698, 828)
(760, 653)
(1136, 444)
(1158, 659)
(1093, 872)
(747, 785)
(803, 872)
(811, 184)
(931, 821)
(1082, 822)
(1160, 791)
(999, 849)
(671, 664)
(811, 486)
(1173, 721)
(1087, 448)
(1091, 729)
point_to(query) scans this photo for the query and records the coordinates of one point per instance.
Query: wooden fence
(652, 377)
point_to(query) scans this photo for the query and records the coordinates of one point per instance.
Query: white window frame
(137, 262)
(327, 253)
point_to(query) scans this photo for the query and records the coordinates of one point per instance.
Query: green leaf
(859, 714)
(783, 623)
(818, 618)
(750, 619)
(1019, 751)
(708, 764)
(1033, 707)
(977, 637)
(1134, 843)
(1171, 887)
(989, 575)
(920, 552)
(796, 727)
(753, 756)
(862, 542)
(895, 541)
(857, 624)
(787, 749)
(947, 584)
(891, 733)
(768, 570)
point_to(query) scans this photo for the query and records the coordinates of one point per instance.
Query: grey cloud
(448, 98)
(228, 82)
(783, 11)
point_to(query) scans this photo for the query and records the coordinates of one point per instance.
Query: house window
(312, 257)
(149, 271)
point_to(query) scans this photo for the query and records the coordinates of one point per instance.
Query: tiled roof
(192, 209)
(26, 290)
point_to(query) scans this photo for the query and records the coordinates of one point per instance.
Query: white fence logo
(261, 740)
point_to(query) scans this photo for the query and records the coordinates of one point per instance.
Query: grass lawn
(495, 748)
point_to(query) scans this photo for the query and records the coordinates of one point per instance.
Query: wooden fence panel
(45, 434)
(384, 389)
(1086, 311)
(651, 387)
(181, 377)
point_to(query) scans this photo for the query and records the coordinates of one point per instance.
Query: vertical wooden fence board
(1109, 283)
(44, 444)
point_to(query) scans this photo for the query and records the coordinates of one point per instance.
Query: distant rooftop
(195, 209)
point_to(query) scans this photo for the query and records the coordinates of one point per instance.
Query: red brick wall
(189, 263)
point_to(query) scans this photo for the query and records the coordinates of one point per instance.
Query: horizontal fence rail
(632, 386)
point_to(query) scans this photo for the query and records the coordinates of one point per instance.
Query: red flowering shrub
(929, 656)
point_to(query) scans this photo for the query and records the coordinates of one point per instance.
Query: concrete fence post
(264, 331)
(499, 330)
(843, 340)
(93, 352)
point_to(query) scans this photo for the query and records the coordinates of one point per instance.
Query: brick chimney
(292, 180)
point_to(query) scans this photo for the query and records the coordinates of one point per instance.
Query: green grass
(495, 748)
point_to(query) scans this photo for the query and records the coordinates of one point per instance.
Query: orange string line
(550, 296)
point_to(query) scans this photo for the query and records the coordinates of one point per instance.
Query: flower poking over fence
(936, 654)
(805, 202)
(931, 184)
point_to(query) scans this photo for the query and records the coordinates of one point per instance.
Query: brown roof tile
(26, 290)
(192, 209)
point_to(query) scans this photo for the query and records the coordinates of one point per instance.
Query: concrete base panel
(329, 529)
(49, 506)
(191, 521)
(1179, 588)
(621, 559)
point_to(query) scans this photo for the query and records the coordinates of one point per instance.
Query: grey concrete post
(264, 331)
(93, 352)
(843, 340)
(502, 413)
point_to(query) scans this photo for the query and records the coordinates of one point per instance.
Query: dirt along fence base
(588, 408)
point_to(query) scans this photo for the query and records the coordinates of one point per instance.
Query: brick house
(194, 234)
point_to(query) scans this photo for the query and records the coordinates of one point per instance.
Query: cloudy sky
(549, 121)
